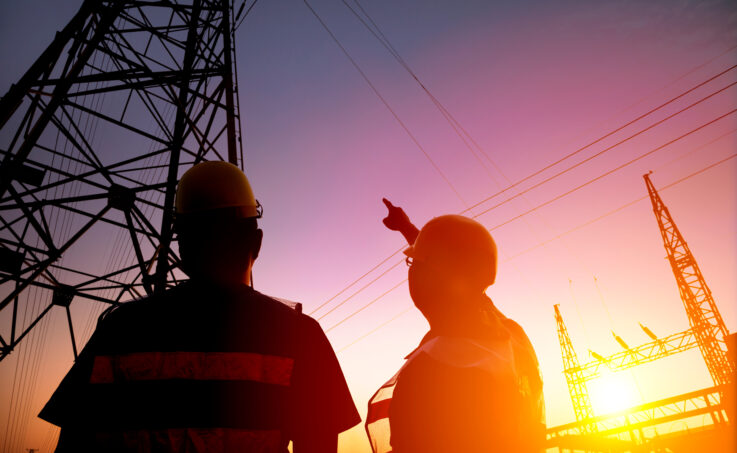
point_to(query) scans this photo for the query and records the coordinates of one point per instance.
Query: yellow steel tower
(703, 315)
(707, 331)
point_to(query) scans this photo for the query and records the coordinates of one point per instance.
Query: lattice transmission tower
(93, 138)
(706, 323)
(707, 332)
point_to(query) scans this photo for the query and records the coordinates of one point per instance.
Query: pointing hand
(396, 219)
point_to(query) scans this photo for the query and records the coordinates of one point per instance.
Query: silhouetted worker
(473, 383)
(210, 365)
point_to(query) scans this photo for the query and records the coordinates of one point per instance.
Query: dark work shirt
(293, 383)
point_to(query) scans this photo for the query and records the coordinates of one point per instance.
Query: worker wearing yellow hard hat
(210, 365)
(473, 383)
(216, 223)
(210, 186)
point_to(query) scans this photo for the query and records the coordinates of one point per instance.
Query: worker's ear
(257, 238)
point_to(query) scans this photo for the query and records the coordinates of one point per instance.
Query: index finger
(388, 203)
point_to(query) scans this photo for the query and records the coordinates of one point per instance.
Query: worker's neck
(457, 316)
(225, 280)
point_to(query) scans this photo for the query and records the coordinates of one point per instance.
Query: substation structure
(638, 425)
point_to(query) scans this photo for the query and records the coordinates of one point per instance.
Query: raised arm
(397, 220)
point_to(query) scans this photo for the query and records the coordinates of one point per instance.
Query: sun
(612, 392)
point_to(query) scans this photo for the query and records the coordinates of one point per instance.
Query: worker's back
(461, 394)
(439, 408)
(204, 371)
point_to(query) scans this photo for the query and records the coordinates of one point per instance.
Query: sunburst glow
(612, 392)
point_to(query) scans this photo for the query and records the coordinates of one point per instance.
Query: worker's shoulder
(285, 309)
(147, 305)
(188, 299)
(513, 326)
(517, 331)
(277, 305)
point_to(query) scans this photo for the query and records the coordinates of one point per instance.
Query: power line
(363, 287)
(578, 164)
(541, 205)
(626, 205)
(455, 124)
(386, 104)
(457, 127)
(452, 121)
(357, 280)
(381, 296)
(617, 168)
(370, 332)
(360, 289)
(518, 194)
(667, 186)
(245, 15)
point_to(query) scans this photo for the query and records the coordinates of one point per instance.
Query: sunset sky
(531, 82)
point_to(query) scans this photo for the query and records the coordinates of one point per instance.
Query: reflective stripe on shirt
(191, 440)
(217, 366)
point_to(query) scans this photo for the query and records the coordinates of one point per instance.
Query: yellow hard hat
(208, 186)
(458, 246)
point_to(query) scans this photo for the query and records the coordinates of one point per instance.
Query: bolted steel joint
(121, 198)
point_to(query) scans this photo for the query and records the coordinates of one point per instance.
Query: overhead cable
(626, 205)
(555, 175)
(386, 104)
(457, 127)
(609, 172)
(358, 280)
(452, 121)
(593, 156)
(245, 15)
(667, 186)
(541, 205)
(605, 136)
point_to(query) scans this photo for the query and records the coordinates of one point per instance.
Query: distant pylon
(574, 377)
(703, 315)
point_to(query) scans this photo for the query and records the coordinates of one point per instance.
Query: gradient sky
(531, 81)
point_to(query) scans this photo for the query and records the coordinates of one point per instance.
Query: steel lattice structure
(575, 377)
(640, 355)
(703, 314)
(93, 139)
(634, 420)
(707, 332)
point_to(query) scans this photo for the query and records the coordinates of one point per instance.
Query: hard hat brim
(231, 212)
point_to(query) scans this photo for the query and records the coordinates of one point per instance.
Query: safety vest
(502, 361)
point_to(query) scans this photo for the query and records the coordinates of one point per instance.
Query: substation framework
(707, 332)
(93, 139)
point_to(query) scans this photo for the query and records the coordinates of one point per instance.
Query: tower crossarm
(644, 353)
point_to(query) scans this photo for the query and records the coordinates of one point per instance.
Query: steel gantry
(707, 332)
(93, 138)
(575, 377)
